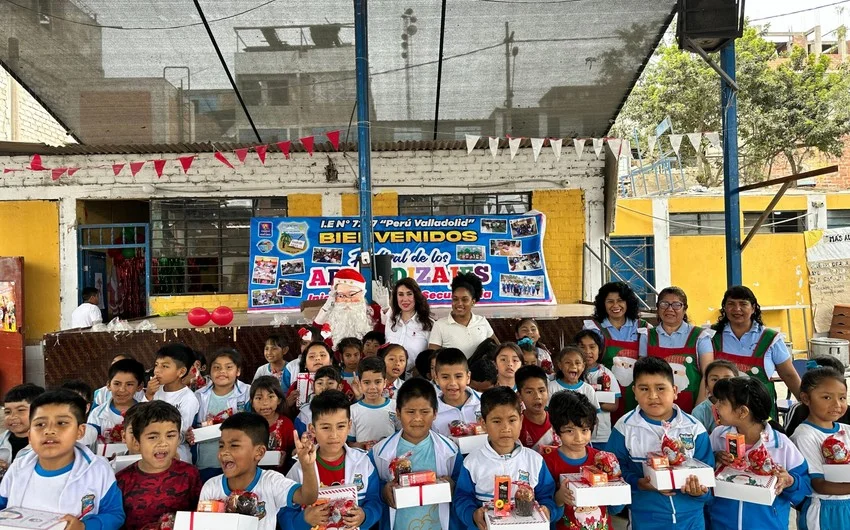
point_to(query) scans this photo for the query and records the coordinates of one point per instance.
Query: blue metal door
(638, 252)
(94, 275)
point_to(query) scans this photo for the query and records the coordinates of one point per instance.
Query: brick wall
(182, 304)
(562, 244)
(23, 119)
(833, 181)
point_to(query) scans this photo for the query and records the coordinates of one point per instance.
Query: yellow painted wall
(182, 304)
(562, 245)
(350, 204)
(385, 203)
(304, 205)
(633, 217)
(838, 201)
(31, 230)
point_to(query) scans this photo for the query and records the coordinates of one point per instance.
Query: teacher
(408, 320)
(462, 329)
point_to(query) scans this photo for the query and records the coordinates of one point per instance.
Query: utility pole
(364, 141)
(731, 197)
(510, 51)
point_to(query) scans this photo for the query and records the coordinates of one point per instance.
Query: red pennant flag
(241, 154)
(223, 159)
(116, 168)
(261, 153)
(58, 172)
(284, 147)
(135, 167)
(72, 170)
(35, 163)
(307, 142)
(333, 136)
(158, 166)
(7, 170)
(186, 162)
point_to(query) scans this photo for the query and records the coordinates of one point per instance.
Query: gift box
(836, 472)
(110, 450)
(124, 461)
(742, 485)
(215, 521)
(605, 397)
(213, 506)
(502, 495)
(417, 478)
(613, 493)
(468, 444)
(211, 432)
(438, 493)
(304, 387)
(271, 458)
(341, 498)
(736, 444)
(657, 461)
(14, 518)
(593, 475)
(536, 521)
(674, 477)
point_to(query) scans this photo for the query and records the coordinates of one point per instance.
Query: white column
(68, 266)
(661, 243)
(594, 217)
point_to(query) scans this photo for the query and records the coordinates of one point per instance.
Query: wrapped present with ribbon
(341, 499)
(215, 521)
(672, 447)
(401, 465)
(109, 450)
(304, 387)
(467, 436)
(614, 492)
(536, 520)
(745, 485)
(675, 477)
(438, 492)
(608, 463)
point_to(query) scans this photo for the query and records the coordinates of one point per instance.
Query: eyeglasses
(667, 305)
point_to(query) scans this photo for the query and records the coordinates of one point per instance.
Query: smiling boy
(171, 366)
(17, 420)
(125, 379)
(456, 402)
(373, 418)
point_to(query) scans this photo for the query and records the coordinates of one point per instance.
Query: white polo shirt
(409, 335)
(86, 315)
(447, 333)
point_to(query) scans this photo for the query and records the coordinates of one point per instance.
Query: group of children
(541, 421)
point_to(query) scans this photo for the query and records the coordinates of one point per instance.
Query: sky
(827, 17)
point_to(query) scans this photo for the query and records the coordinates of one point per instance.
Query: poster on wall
(295, 259)
(828, 259)
(8, 321)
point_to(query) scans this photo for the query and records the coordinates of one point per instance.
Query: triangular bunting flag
(615, 144)
(135, 167)
(536, 147)
(261, 152)
(158, 166)
(513, 143)
(713, 138)
(116, 168)
(556, 144)
(35, 164)
(333, 137)
(284, 148)
(223, 159)
(696, 140)
(471, 141)
(494, 146)
(676, 142)
(597, 146)
(579, 145)
(57, 172)
(186, 162)
(650, 144)
(72, 170)
(8, 170)
(307, 142)
(241, 154)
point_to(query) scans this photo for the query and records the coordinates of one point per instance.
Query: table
(788, 309)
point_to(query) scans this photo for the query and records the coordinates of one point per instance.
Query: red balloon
(222, 315)
(198, 316)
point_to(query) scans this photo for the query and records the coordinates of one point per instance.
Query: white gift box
(215, 521)
(422, 495)
(467, 444)
(124, 461)
(836, 472)
(202, 434)
(605, 397)
(336, 493)
(614, 493)
(536, 521)
(110, 450)
(745, 486)
(674, 477)
(15, 518)
(304, 387)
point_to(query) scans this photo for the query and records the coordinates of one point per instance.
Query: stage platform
(82, 354)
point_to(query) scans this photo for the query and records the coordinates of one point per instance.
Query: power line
(701, 227)
(799, 11)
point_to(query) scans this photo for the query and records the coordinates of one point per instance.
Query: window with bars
(201, 245)
(837, 218)
(784, 222)
(473, 204)
(697, 224)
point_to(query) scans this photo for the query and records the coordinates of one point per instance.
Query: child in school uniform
(267, 401)
(395, 359)
(59, 475)
(373, 418)
(327, 378)
(527, 328)
(350, 353)
(416, 404)
(502, 455)
(640, 432)
(569, 368)
(599, 378)
(336, 463)
(536, 432)
(508, 359)
(103, 395)
(317, 355)
(125, 378)
(16, 407)
(274, 351)
(823, 392)
(83, 389)
(455, 400)
(483, 375)
(714, 372)
(172, 365)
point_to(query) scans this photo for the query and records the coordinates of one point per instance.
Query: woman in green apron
(741, 337)
(615, 319)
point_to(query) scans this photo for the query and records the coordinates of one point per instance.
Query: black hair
(329, 401)
(387, 348)
(302, 363)
(594, 336)
(828, 361)
(499, 395)
(747, 392)
(230, 353)
(269, 383)
(276, 340)
(120, 356)
(485, 350)
(372, 364)
(61, 396)
(416, 388)
(720, 363)
(528, 372)
(128, 366)
(625, 292)
(420, 304)
(813, 378)
(80, 387)
(556, 360)
(88, 292)
(26, 392)
(423, 363)
(330, 372)
(451, 357)
(156, 411)
(182, 355)
(470, 282)
(652, 366)
(484, 370)
(567, 407)
(252, 424)
(350, 342)
(677, 292)
(377, 336)
(738, 292)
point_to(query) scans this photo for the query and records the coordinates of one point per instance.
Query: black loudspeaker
(709, 24)
(384, 269)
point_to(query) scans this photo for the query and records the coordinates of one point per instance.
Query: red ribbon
(421, 498)
(672, 478)
(191, 520)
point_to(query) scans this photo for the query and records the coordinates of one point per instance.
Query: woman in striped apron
(686, 347)
(615, 319)
(758, 351)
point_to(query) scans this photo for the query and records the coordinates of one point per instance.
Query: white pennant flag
(676, 142)
(556, 144)
(579, 145)
(513, 143)
(650, 144)
(614, 144)
(494, 146)
(536, 147)
(471, 141)
(597, 146)
(696, 140)
(714, 139)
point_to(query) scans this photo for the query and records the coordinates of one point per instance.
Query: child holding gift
(373, 418)
(599, 378)
(326, 378)
(714, 372)
(456, 401)
(536, 431)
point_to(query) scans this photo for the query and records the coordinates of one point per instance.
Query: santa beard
(353, 319)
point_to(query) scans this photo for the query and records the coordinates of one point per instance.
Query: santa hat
(350, 277)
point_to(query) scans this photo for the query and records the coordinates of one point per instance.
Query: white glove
(380, 294)
(322, 316)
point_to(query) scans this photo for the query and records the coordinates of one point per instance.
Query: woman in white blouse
(408, 320)
(462, 329)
